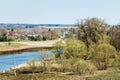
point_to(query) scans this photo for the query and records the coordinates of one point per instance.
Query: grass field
(6, 46)
(39, 76)
(109, 75)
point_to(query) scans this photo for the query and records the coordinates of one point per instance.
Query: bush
(31, 64)
(28, 70)
(84, 67)
(64, 64)
(75, 48)
(117, 61)
(102, 56)
(58, 49)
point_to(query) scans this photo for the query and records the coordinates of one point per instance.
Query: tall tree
(3, 37)
(115, 36)
(91, 30)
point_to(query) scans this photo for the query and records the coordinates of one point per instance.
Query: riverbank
(25, 46)
(56, 75)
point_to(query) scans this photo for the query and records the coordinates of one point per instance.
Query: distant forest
(9, 26)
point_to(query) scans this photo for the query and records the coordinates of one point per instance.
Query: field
(102, 75)
(14, 46)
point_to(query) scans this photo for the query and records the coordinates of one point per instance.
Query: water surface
(9, 61)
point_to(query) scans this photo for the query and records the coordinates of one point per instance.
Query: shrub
(65, 64)
(117, 61)
(102, 55)
(75, 48)
(28, 70)
(31, 64)
(84, 67)
(58, 49)
(44, 57)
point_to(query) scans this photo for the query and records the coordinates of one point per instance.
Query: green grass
(39, 76)
(110, 75)
(115, 75)
(102, 75)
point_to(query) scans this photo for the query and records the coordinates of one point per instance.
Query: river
(9, 61)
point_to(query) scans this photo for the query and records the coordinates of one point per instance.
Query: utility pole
(14, 63)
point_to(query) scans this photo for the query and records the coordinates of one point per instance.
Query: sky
(58, 11)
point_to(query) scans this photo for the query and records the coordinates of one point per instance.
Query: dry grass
(40, 76)
(102, 75)
(26, 44)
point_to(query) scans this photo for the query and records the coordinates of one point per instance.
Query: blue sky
(58, 11)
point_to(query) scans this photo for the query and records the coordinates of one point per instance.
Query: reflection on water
(7, 61)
